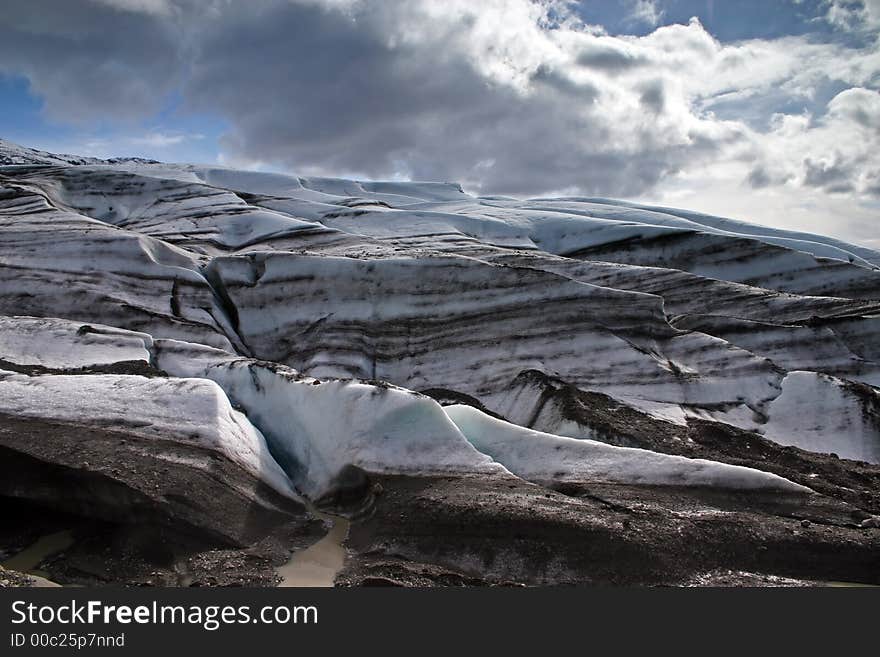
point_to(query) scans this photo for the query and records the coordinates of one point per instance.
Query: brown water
(857, 585)
(318, 564)
(32, 556)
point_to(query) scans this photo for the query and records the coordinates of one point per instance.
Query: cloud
(853, 15)
(838, 152)
(88, 60)
(610, 55)
(158, 7)
(162, 139)
(645, 11)
(446, 90)
(505, 96)
(653, 96)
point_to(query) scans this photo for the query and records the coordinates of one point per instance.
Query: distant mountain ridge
(12, 154)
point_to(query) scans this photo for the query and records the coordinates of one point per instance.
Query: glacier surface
(298, 326)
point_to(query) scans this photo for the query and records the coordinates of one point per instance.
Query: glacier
(302, 329)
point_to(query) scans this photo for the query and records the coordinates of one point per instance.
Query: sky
(762, 110)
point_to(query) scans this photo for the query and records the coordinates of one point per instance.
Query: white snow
(64, 344)
(819, 245)
(819, 413)
(543, 457)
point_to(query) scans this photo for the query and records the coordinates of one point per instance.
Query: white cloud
(645, 11)
(838, 152)
(162, 139)
(159, 7)
(853, 15)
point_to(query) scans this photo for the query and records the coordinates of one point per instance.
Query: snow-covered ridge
(552, 459)
(64, 344)
(321, 308)
(12, 154)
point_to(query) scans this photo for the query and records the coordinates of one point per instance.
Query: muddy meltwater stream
(32, 556)
(318, 564)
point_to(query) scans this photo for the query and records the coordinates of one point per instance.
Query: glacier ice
(320, 308)
(550, 459)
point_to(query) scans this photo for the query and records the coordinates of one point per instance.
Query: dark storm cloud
(341, 88)
(87, 58)
(333, 95)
